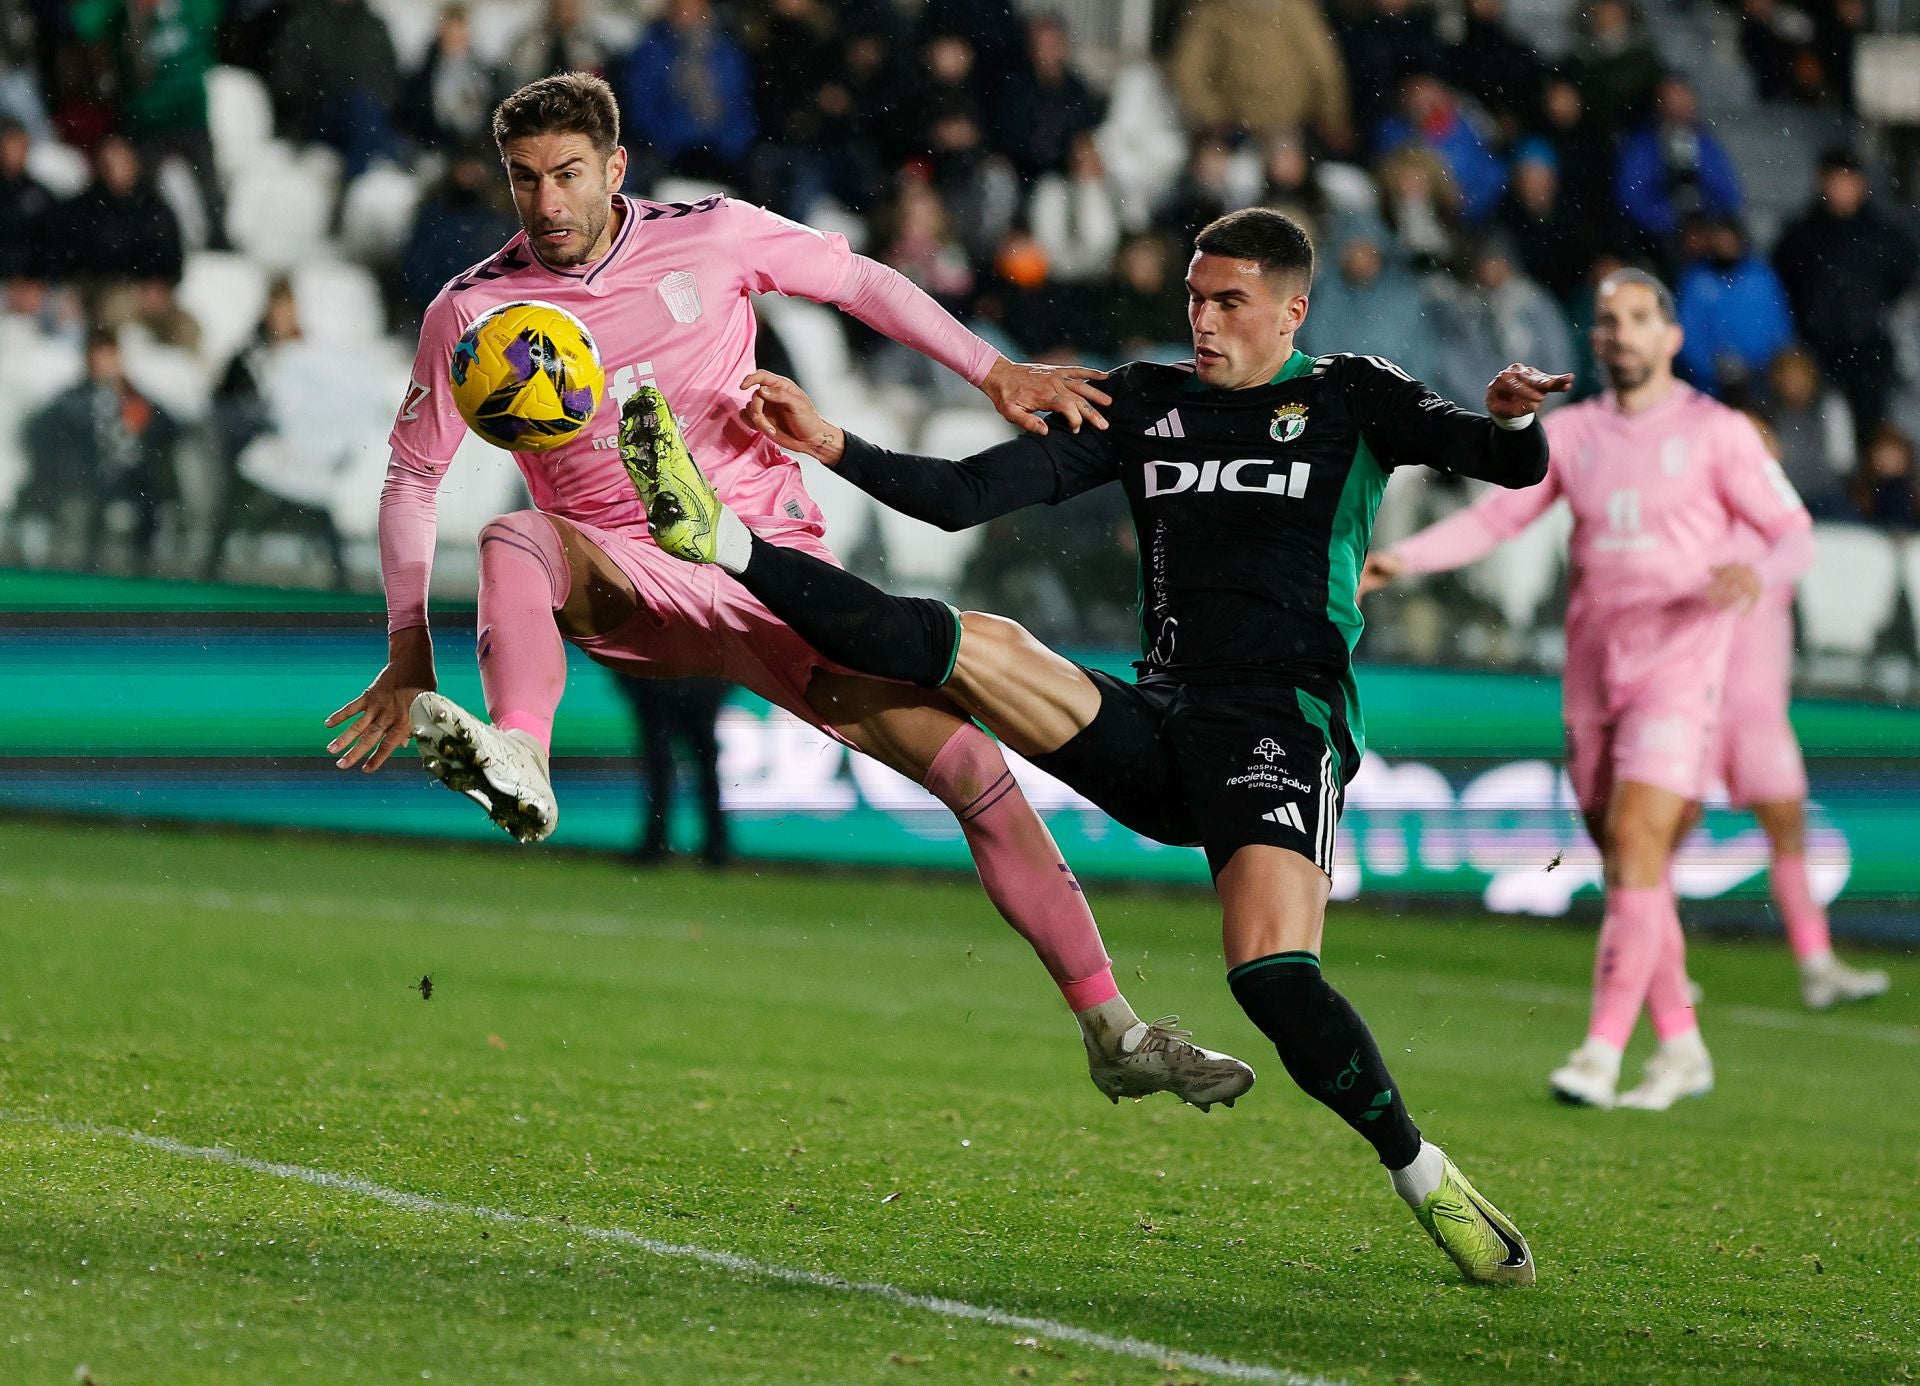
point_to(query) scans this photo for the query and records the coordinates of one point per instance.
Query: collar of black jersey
(1297, 365)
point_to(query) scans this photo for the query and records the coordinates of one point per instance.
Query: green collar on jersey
(1297, 364)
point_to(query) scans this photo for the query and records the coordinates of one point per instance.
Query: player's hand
(1379, 570)
(1733, 586)
(784, 412)
(382, 726)
(1023, 392)
(1520, 390)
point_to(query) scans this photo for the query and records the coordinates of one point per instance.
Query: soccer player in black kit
(1253, 474)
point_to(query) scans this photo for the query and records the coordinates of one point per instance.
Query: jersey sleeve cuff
(1514, 425)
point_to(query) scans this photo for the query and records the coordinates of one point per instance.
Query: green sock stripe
(958, 631)
(1298, 955)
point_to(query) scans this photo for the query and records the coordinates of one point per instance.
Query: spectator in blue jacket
(1733, 311)
(688, 91)
(1672, 168)
(1434, 117)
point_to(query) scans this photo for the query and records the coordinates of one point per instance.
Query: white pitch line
(719, 1260)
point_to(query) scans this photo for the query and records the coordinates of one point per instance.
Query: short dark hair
(1662, 295)
(568, 103)
(1273, 240)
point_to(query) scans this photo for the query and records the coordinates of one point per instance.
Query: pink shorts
(695, 621)
(1641, 699)
(1756, 754)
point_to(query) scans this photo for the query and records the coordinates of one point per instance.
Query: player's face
(563, 191)
(1243, 320)
(1632, 340)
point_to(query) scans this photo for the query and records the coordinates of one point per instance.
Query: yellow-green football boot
(1480, 1238)
(682, 510)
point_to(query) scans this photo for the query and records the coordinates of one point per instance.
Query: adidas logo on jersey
(1287, 815)
(1168, 427)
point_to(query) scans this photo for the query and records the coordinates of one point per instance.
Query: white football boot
(1826, 982)
(1146, 1058)
(505, 772)
(1589, 1076)
(1679, 1068)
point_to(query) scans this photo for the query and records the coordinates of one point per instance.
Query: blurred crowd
(1465, 190)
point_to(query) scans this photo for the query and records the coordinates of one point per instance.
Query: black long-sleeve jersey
(1253, 508)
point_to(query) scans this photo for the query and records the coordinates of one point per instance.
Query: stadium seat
(279, 207)
(848, 510)
(376, 217)
(921, 553)
(175, 379)
(338, 301)
(817, 346)
(1848, 596)
(1520, 575)
(1143, 143)
(239, 118)
(62, 168)
(226, 294)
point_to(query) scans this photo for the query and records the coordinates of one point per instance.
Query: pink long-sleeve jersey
(1659, 499)
(668, 305)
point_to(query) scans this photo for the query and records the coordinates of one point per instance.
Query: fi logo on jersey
(1289, 422)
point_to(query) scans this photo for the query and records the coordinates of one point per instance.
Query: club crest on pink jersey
(681, 293)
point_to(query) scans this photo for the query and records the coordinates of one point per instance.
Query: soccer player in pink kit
(664, 288)
(1758, 758)
(1660, 479)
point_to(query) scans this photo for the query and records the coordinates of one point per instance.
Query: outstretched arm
(782, 256)
(375, 725)
(953, 495)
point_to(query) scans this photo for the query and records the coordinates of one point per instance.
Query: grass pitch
(238, 1146)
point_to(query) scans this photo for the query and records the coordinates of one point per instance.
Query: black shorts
(1215, 767)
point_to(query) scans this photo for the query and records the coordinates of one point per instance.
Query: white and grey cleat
(1679, 1068)
(1588, 1078)
(1828, 982)
(1155, 1057)
(505, 772)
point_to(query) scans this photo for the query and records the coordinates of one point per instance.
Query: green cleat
(682, 510)
(1480, 1238)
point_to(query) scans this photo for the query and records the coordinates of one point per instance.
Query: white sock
(1815, 963)
(1689, 1045)
(732, 542)
(1107, 1025)
(1417, 1181)
(1604, 1052)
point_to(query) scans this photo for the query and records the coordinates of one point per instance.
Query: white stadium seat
(1910, 575)
(1519, 576)
(1848, 597)
(240, 119)
(278, 208)
(62, 168)
(377, 216)
(338, 301)
(924, 554)
(817, 345)
(226, 294)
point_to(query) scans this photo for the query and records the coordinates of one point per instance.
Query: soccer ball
(527, 377)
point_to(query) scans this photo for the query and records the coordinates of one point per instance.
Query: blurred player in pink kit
(1661, 481)
(663, 288)
(1757, 758)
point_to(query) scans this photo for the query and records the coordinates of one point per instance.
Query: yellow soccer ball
(527, 377)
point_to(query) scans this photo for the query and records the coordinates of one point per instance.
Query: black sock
(1327, 1049)
(851, 621)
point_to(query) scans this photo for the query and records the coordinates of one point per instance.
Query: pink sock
(524, 579)
(1631, 937)
(1021, 867)
(1669, 1000)
(1793, 896)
